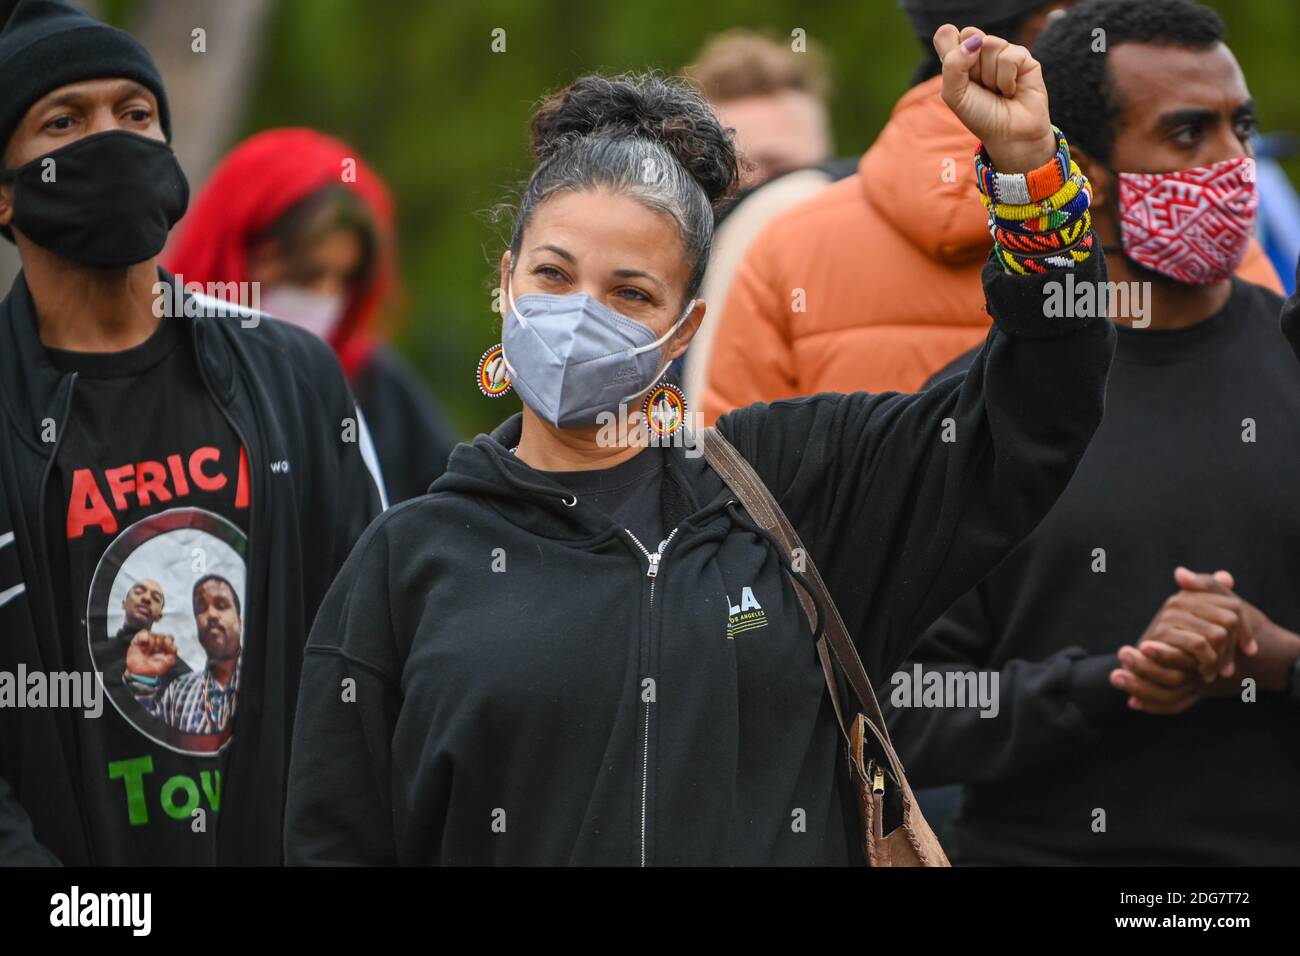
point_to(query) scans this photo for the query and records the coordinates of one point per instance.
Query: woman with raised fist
(585, 650)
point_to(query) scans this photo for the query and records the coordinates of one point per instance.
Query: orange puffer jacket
(873, 283)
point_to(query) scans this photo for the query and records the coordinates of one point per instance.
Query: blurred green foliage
(416, 87)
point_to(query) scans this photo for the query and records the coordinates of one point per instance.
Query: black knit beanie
(46, 44)
(927, 16)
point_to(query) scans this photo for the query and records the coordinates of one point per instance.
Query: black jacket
(284, 394)
(517, 688)
(411, 434)
(1290, 318)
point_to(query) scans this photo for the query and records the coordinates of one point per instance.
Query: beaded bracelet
(1023, 188)
(1028, 265)
(1076, 184)
(1039, 220)
(1025, 262)
(1034, 242)
(1055, 221)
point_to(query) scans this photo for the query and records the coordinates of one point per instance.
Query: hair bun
(648, 106)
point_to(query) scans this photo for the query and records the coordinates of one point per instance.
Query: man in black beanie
(147, 433)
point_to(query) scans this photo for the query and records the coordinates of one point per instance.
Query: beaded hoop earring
(492, 375)
(664, 409)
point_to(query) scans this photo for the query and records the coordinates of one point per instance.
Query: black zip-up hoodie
(284, 395)
(497, 676)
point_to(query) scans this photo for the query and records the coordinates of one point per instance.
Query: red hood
(255, 185)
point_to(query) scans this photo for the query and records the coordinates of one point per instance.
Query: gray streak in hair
(626, 165)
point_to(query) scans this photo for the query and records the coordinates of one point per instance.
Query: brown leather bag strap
(741, 478)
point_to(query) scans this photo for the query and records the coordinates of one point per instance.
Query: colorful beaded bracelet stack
(1039, 220)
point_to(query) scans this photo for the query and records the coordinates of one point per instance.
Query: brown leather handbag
(894, 832)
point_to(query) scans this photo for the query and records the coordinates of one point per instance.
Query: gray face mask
(571, 357)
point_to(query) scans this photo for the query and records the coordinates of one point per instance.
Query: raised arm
(906, 501)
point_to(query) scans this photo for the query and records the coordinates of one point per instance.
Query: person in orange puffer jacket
(873, 283)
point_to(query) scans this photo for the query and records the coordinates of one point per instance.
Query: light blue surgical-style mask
(571, 357)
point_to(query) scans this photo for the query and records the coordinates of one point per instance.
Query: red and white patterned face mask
(1192, 225)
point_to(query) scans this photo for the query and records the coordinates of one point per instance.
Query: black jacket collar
(487, 470)
(37, 389)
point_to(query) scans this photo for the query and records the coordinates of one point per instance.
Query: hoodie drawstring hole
(570, 501)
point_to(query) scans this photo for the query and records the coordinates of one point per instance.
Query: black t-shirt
(628, 493)
(148, 516)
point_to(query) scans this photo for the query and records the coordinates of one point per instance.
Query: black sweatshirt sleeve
(339, 808)
(905, 501)
(18, 845)
(1046, 713)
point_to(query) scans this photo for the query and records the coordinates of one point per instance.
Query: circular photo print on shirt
(166, 627)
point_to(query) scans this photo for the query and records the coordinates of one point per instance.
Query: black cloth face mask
(108, 200)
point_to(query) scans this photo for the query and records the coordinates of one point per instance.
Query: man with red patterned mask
(1163, 130)
(1174, 203)
(1152, 617)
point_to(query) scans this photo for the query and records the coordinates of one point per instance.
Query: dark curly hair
(1084, 102)
(645, 135)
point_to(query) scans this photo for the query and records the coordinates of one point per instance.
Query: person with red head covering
(300, 214)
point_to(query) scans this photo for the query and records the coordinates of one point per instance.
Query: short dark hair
(216, 577)
(1081, 91)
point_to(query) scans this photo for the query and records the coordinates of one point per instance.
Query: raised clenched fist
(150, 654)
(996, 89)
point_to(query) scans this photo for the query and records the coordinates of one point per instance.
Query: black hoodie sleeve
(339, 808)
(905, 501)
(1047, 712)
(1291, 315)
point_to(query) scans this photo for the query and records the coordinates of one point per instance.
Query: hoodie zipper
(654, 561)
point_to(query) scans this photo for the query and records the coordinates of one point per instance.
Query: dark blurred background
(416, 87)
